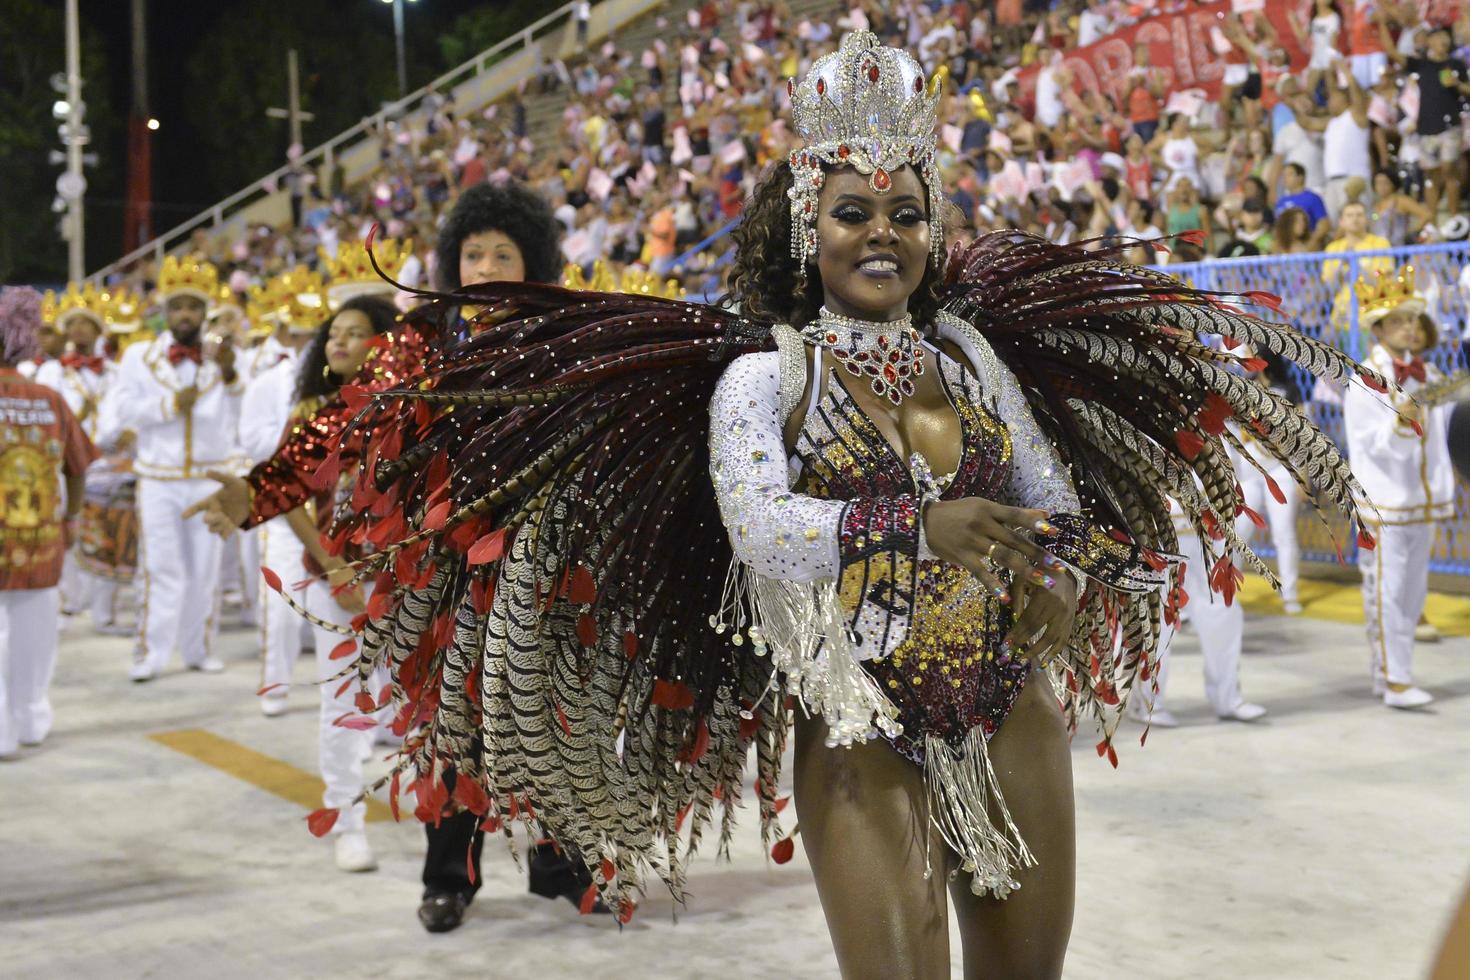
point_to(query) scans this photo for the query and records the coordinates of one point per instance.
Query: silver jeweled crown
(865, 106)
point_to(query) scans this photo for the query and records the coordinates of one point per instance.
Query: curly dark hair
(512, 209)
(314, 380)
(764, 279)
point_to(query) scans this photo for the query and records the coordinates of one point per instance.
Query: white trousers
(1280, 519)
(1395, 585)
(281, 629)
(240, 571)
(1220, 629)
(74, 583)
(27, 660)
(341, 749)
(102, 598)
(181, 561)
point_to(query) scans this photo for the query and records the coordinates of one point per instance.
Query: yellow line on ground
(259, 770)
(1342, 602)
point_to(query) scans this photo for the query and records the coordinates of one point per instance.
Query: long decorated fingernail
(1054, 562)
(1045, 526)
(1001, 594)
(1042, 579)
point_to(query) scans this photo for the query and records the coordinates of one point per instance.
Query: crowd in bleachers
(656, 149)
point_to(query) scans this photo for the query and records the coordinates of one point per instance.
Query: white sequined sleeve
(779, 534)
(1038, 478)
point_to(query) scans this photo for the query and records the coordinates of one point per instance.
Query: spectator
(1144, 95)
(1345, 142)
(1353, 236)
(1292, 232)
(1253, 228)
(1319, 36)
(1396, 217)
(1186, 213)
(1309, 202)
(1443, 83)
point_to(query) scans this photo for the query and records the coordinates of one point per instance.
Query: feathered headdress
(20, 315)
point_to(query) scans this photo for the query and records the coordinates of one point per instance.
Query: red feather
(1276, 493)
(1190, 444)
(358, 723)
(561, 716)
(393, 795)
(608, 871)
(1366, 539)
(630, 644)
(320, 822)
(437, 515)
(1256, 518)
(1194, 236)
(1373, 383)
(589, 900)
(364, 702)
(1262, 298)
(469, 794)
(487, 549)
(583, 588)
(674, 695)
(379, 605)
(783, 850)
(344, 649)
(695, 751)
(269, 688)
(587, 630)
(1212, 417)
(271, 578)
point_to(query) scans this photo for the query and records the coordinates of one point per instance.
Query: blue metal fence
(1317, 296)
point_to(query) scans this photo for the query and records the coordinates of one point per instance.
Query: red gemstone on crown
(791, 87)
(889, 374)
(843, 151)
(821, 86)
(919, 84)
(872, 73)
(881, 180)
(831, 338)
(894, 355)
(861, 355)
(882, 341)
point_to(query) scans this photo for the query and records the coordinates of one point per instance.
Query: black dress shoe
(443, 911)
(551, 874)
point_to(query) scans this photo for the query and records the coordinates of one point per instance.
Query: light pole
(398, 41)
(71, 185)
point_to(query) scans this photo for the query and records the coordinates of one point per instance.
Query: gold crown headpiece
(98, 305)
(350, 272)
(1380, 295)
(292, 298)
(631, 281)
(187, 277)
(49, 302)
(126, 315)
(864, 106)
(225, 298)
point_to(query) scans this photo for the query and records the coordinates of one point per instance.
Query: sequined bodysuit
(948, 676)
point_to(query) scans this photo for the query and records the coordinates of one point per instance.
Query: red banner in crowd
(1180, 47)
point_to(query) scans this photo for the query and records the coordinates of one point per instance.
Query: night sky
(180, 188)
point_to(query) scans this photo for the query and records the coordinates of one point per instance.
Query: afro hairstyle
(512, 209)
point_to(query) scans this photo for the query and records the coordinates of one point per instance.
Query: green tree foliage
(479, 29)
(238, 70)
(32, 49)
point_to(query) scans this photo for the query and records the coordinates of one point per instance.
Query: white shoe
(1293, 608)
(1380, 687)
(353, 852)
(1158, 718)
(141, 671)
(1426, 632)
(1414, 697)
(1244, 711)
(273, 705)
(209, 665)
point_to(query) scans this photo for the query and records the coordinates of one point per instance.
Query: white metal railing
(216, 215)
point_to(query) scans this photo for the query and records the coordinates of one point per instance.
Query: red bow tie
(178, 353)
(75, 361)
(1404, 370)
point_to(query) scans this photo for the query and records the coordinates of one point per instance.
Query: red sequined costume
(299, 469)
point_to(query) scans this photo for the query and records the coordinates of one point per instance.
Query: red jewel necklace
(889, 356)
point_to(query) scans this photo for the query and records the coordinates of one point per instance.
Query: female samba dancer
(618, 552)
(496, 232)
(336, 354)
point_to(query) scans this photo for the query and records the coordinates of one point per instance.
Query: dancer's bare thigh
(865, 828)
(1025, 936)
